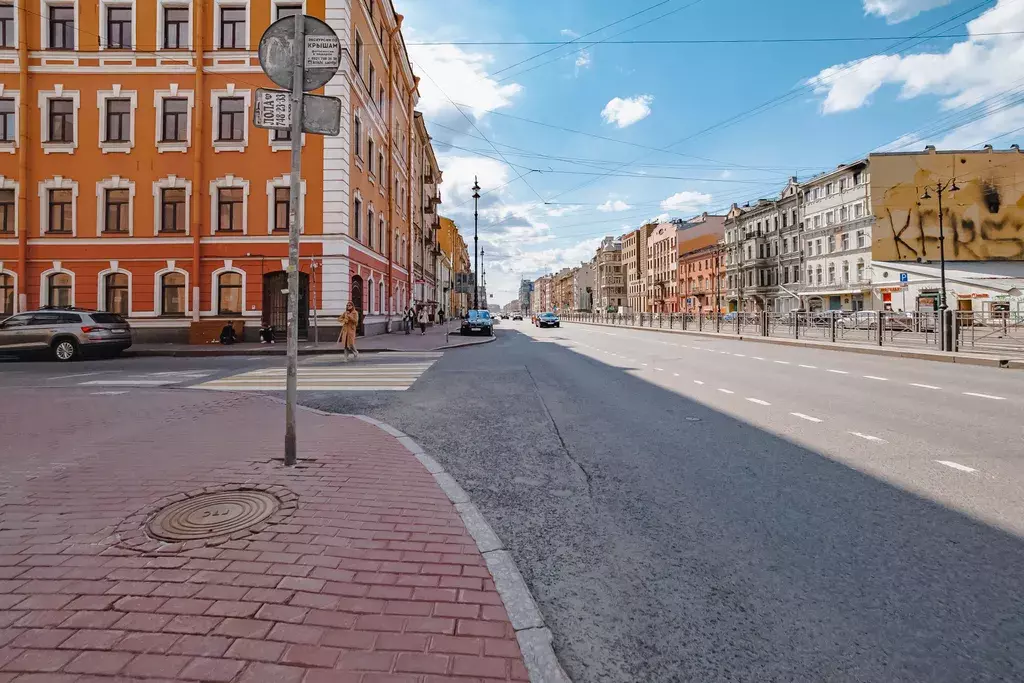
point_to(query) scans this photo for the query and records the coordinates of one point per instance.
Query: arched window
(369, 226)
(381, 295)
(831, 273)
(172, 294)
(229, 293)
(369, 296)
(6, 294)
(116, 291)
(383, 241)
(817, 275)
(846, 271)
(860, 269)
(59, 290)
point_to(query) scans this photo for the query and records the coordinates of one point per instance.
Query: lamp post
(476, 239)
(947, 328)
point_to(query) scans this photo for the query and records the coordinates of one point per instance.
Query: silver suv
(65, 332)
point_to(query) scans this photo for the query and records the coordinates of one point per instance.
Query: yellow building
(456, 257)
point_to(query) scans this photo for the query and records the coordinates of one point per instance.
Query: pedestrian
(423, 319)
(227, 333)
(349, 321)
(410, 319)
(440, 316)
(266, 333)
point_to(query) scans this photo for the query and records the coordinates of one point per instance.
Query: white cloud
(583, 57)
(981, 72)
(611, 206)
(626, 112)
(686, 201)
(462, 76)
(895, 11)
(458, 173)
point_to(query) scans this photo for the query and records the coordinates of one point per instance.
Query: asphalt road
(688, 509)
(675, 532)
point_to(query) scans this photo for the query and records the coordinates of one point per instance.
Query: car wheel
(65, 350)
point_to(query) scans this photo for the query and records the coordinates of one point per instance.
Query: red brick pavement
(371, 578)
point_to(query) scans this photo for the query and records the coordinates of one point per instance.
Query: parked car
(859, 320)
(548, 320)
(729, 317)
(67, 333)
(477, 322)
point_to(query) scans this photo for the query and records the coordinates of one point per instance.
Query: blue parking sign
(904, 277)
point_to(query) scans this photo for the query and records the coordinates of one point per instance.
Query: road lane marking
(80, 374)
(839, 372)
(781, 362)
(739, 355)
(757, 358)
(810, 367)
(956, 466)
(659, 370)
(675, 374)
(868, 437)
(697, 381)
(924, 386)
(129, 382)
(988, 396)
(805, 417)
(880, 379)
(726, 391)
(107, 393)
(644, 364)
(759, 401)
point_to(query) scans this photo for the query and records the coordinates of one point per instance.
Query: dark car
(66, 333)
(548, 320)
(477, 322)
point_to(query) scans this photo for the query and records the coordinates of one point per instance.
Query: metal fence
(968, 332)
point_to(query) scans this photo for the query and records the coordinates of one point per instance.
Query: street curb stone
(217, 351)
(535, 640)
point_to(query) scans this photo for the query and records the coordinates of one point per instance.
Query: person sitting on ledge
(227, 335)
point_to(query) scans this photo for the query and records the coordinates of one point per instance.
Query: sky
(587, 132)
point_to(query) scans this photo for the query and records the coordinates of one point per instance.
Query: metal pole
(316, 326)
(476, 239)
(947, 338)
(294, 229)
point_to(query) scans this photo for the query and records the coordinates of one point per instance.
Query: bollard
(832, 324)
(881, 327)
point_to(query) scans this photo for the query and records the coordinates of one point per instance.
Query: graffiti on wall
(982, 221)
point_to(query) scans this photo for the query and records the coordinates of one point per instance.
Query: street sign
(320, 114)
(904, 277)
(277, 53)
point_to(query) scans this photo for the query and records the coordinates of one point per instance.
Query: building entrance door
(275, 302)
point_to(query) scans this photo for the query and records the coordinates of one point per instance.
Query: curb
(890, 352)
(534, 637)
(203, 352)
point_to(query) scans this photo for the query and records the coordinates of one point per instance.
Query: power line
(717, 41)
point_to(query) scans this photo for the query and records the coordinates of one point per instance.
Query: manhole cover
(212, 514)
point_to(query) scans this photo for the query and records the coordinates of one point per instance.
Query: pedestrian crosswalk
(334, 375)
(149, 379)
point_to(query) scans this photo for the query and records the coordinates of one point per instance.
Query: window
(845, 241)
(844, 214)
(7, 34)
(830, 218)
(829, 189)
(785, 246)
(831, 243)
(61, 118)
(59, 203)
(232, 119)
(229, 209)
(6, 294)
(282, 205)
(860, 239)
(842, 184)
(116, 206)
(369, 156)
(382, 241)
(62, 27)
(858, 178)
(369, 224)
(783, 220)
(176, 28)
(380, 295)
(119, 120)
(288, 10)
(172, 209)
(116, 289)
(380, 163)
(357, 212)
(357, 129)
(817, 221)
(172, 294)
(369, 81)
(7, 200)
(174, 127)
(58, 288)
(229, 293)
(846, 272)
(810, 276)
(380, 98)
(858, 209)
(831, 273)
(7, 114)
(817, 246)
(282, 134)
(119, 27)
(817, 275)
(232, 28)
(359, 53)
(860, 270)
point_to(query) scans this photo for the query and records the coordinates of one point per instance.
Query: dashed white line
(839, 372)
(726, 391)
(697, 381)
(924, 386)
(659, 370)
(644, 364)
(782, 362)
(805, 417)
(810, 367)
(759, 401)
(107, 393)
(868, 437)
(988, 396)
(956, 466)
(880, 379)
(739, 355)
(757, 358)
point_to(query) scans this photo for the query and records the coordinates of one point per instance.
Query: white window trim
(161, 5)
(101, 103)
(370, 295)
(158, 296)
(284, 181)
(158, 103)
(101, 287)
(169, 183)
(357, 196)
(44, 290)
(228, 267)
(225, 182)
(16, 23)
(12, 146)
(215, 97)
(281, 145)
(58, 92)
(44, 21)
(10, 184)
(218, 5)
(114, 183)
(14, 279)
(274, 5)
(57, 183)
(104, 4)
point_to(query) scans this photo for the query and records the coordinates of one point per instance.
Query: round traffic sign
(321, 53)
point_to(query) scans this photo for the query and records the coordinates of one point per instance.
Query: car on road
(729, 317)
(66, 333)
(548, 320)
(517, 316)
(477, 322)
(504, 316)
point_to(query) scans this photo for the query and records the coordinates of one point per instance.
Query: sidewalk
(433, 340)
(363, 571)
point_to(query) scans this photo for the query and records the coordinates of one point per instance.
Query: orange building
(135, 182)
(702, 265)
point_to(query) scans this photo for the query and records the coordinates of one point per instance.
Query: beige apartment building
(662, 263)
(634, 266)
(611, 289)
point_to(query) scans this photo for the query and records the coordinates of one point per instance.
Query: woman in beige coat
(349, 321)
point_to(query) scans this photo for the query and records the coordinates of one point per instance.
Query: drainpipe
(391, 164)
(197, 159)
(23, 152)
(412, 183)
